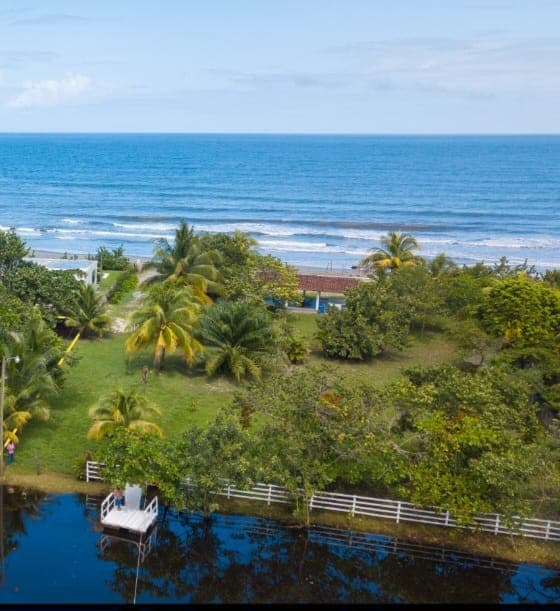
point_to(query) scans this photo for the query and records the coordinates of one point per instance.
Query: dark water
(310, 200)
(53, 552)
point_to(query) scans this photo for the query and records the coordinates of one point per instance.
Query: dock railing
(398, 511)
(152, 507)
(107, 505)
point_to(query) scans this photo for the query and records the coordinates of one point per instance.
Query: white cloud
(51, 92)
(51, 19)
(482, 66)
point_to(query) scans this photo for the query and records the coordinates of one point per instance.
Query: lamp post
(5, 359)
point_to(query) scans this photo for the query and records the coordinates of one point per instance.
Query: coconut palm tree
(127, 409)
(166, 322)
(441, 264)
(32, 380)
(238, 333)
(186, 262)
(87, 315)
(398, 251)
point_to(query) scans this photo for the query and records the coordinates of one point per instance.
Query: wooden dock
(130, 517)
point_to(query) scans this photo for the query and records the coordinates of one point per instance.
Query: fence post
(87, 470)
(497, 526)
(354, 506)
(228, 490)
(547, 533)
(398, 511)
(269, 499)
(311, 502)
(447, 518)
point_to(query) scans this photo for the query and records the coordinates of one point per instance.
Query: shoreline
(303, 269)
(499, 548)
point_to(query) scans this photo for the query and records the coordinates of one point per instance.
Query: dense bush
(523, 311)
(345, 335)
(126, 283)
(112, 259)
(375, 318)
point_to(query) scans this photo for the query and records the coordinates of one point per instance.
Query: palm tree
(87, 315)
(398, 251)
(185, 262)
(238, 332)
(130, 410)
(166, 322)
(441, 264)
(32, 380)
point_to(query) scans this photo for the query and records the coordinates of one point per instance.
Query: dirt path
(121, 313)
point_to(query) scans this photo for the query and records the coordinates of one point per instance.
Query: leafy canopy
(166, 322)
(237, 333)
(129, 409)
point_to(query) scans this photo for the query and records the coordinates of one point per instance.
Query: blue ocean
(321, 201)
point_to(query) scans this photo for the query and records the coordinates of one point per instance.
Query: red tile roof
(327, 284)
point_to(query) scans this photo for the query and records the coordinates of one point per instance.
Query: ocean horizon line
(279, 133)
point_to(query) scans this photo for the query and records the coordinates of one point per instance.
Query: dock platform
(130, 517)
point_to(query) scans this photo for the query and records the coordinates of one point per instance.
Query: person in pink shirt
(11, 447)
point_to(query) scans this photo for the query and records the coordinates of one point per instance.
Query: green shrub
(297, 349)
(126, 283)
(112, 259)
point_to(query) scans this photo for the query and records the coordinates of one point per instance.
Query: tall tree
(186, 262)
(478, 440)
(248, 275)
(55, 292)
(375, 318)
(398, 250)
(221, 451)
(166, 322)
(441, 264)
(525, 312)
(238, 333)
(123, 409)
(88, 315)
(12, 252)
(310, 430)
(34, 379)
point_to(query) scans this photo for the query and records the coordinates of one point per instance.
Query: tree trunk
(67, 351)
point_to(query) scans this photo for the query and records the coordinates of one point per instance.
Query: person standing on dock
(118, 494)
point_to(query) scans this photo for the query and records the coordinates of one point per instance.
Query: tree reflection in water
(240, 559)
(15, 505)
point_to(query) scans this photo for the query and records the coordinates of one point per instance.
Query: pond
(54, 552)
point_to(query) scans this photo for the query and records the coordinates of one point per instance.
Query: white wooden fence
(93, 471)
(399, 511)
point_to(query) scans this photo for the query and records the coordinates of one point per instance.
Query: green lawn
(430, 348)
(185, 397)
(107, 279)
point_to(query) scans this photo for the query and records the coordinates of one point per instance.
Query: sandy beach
(307, 270)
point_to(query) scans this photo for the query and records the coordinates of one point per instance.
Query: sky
(280, 66)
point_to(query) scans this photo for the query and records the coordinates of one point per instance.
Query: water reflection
(15, 506)
(239, 559)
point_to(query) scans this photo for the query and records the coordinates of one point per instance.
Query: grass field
(430, 348)
(185, 397)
